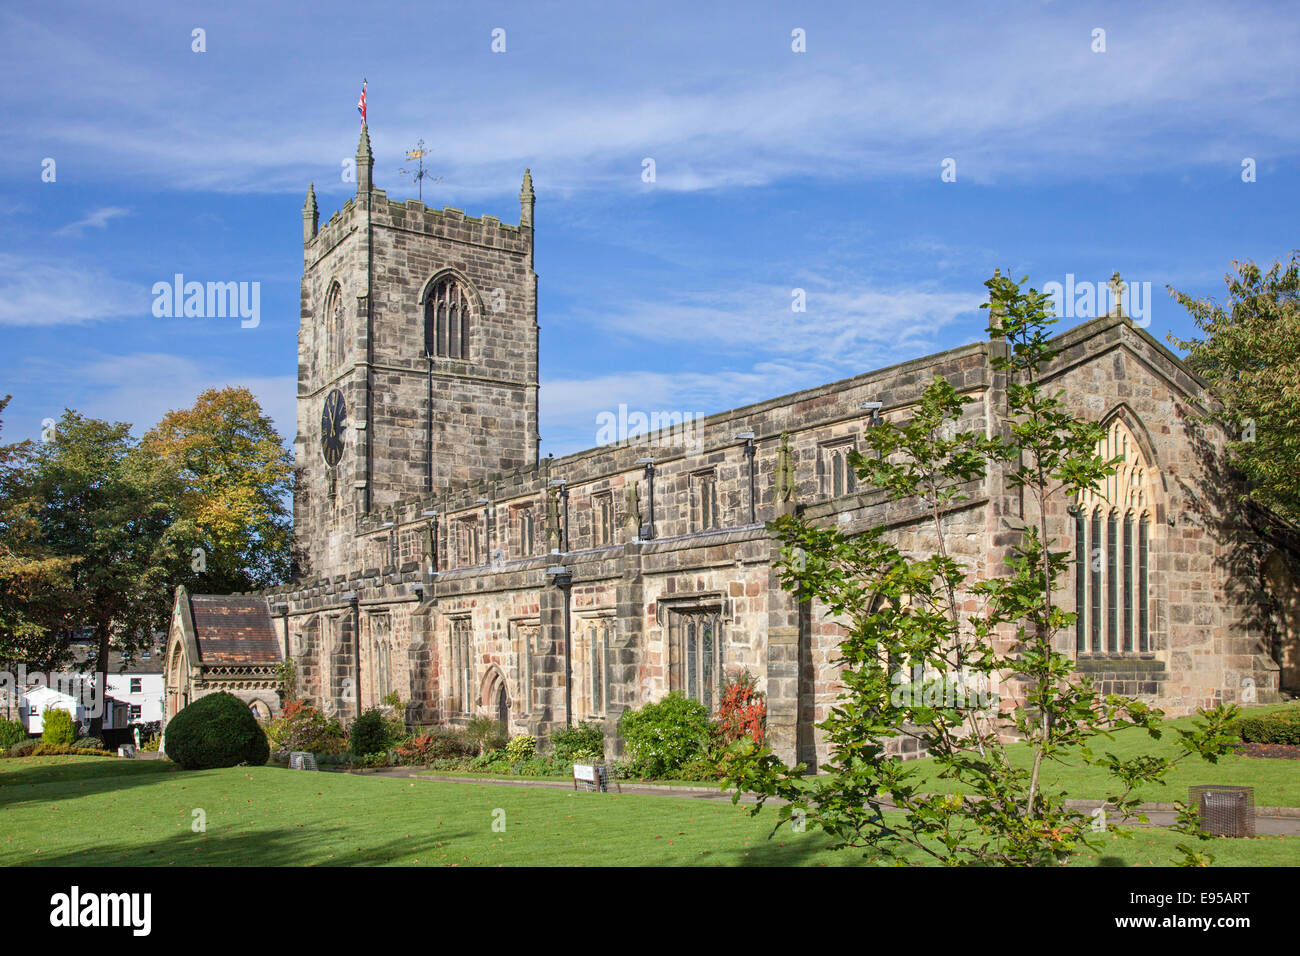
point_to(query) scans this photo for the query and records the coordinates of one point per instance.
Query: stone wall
(476, 544)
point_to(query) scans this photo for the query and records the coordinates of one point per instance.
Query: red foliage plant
(742, 709)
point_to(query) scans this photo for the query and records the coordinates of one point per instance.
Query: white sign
(584, 771)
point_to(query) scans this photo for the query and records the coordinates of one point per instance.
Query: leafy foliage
(301, 727)
(11, 732)
(1275, 727)
(521, 747)
(59, 727)
(1250, 356)
(486, 734)
(369, 734)
(664, 736)
(103, 500)
(236, 477)
(927, 645)
(580, 740)
(217, 730)
(742, 709)
(35, 591)
(435, 744)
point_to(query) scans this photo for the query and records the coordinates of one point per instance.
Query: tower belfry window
(335, 341)
(446, 319)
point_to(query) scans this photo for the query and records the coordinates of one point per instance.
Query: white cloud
(35, 292)
(1022, 97)
(138, 388)
(843, 327)
(98, 219)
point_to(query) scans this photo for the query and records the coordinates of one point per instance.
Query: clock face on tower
(333, 419)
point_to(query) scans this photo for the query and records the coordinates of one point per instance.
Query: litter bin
(1225, 810)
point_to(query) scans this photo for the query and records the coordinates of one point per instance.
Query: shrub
(486, 734)
(89, 743)
(67, 750)
(435, 744)
(742, 711)
(664, 736)
(303, 727)
(581, 741)
(369, 734)
(11, 732)
(59, 728)
(521, 747)
(23, 748)
(216, 731)
(1277, 727)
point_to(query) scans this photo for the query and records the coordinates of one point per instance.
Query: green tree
(237, 479)
(103, 500)
(1250, 356)
(35, 594)
(927, 645)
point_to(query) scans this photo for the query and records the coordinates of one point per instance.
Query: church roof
(234, 629)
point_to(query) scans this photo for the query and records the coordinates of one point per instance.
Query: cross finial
(1117, 287)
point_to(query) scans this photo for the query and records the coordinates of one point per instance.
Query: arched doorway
(496, 697)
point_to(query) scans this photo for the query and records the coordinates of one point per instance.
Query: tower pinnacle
(365, 162)
(526, 199)
(310, 215)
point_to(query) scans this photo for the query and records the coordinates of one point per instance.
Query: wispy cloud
(843, 327)
(98, 219)
(36, 293)
(1029, 99)
(138, 388)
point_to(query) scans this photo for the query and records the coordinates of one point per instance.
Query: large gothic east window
(446, 319)
(1113, 529)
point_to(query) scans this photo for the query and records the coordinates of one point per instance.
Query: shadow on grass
(306, 847)
(53, 778)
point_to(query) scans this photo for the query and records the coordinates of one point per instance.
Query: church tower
(417, 358)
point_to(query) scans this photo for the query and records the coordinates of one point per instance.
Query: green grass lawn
(85, 811)
(1276, 782)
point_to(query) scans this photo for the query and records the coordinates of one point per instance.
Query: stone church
(445, 563)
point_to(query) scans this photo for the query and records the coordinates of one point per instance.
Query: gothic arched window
(446, 319)
(335, 339)
(1112, 528)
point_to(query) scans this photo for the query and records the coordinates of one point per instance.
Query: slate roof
(234, 630)
(117, 664)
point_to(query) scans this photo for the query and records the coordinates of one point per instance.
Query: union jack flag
(361, 103)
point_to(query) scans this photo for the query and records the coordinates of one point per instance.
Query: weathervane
(420, 173)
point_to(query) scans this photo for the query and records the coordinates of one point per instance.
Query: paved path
(1269, 821)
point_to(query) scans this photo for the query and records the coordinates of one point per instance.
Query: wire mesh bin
(1225, 810)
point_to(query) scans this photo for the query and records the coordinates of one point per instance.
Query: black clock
(333, 419)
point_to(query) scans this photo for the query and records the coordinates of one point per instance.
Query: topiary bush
(59, 728)
(216, 731)
(665, 736)
(11, 732)
(582, 740)
(369, 734)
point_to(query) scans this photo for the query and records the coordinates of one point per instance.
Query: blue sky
(775, 170)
